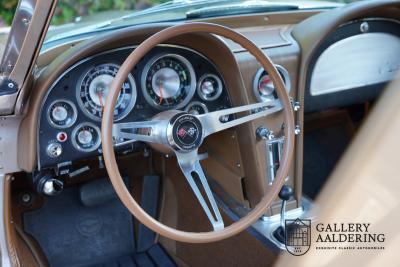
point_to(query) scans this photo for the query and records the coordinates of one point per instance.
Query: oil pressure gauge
(62, 113)
(86, 137)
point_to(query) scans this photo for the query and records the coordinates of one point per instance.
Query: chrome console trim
(267, 225)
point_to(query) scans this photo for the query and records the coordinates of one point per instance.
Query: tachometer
(168, 81)
(94, 87)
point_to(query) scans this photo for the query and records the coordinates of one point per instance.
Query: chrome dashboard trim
(370, 19)
(372, 58)
(267, 224)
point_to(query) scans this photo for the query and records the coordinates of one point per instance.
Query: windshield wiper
(238, 9)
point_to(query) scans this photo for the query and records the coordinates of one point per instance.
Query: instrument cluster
(169, 77)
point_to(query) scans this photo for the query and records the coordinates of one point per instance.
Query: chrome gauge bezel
(284, 74)
(74, 132)
(219, 88)
(127, 110)
(183, 61)
(74, 117)
(198, 103)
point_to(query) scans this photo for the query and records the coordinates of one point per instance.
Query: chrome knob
(296, 106)
(297, 130)
(264, 133)
(54, 150)
(52, 187)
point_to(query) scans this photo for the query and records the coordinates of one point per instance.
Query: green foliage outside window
(7, 9)
(69, 10)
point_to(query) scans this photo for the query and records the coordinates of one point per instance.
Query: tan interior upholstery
(364, 188)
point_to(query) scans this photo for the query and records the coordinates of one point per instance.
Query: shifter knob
(286, 193)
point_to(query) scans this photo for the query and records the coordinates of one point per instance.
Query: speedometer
(94, 87)
(168, 81)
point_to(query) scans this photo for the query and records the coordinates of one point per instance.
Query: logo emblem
(187, 132)
(89, 224)
(297, 236)
(181, 132)
(192, 131)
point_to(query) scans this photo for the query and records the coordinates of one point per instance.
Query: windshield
(73, 18)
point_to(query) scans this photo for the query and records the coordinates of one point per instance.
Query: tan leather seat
(364, 188)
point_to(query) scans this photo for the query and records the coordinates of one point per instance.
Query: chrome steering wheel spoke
(144, 131)
(183, 133)
(211, 121)
(191, 168)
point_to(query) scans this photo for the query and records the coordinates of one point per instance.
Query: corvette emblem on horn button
(187, 132)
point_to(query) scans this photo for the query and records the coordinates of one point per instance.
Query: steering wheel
(183, 133)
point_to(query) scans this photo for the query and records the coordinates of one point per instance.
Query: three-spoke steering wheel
(183, 134)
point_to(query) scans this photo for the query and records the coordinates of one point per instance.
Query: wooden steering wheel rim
(108, 148)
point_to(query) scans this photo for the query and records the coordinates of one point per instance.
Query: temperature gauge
(86, 137)
(62, 113)
(209, 87)
(196, 108)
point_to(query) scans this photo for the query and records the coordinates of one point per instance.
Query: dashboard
(205, 73)
(169, 77)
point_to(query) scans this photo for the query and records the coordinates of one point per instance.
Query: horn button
(185, 132)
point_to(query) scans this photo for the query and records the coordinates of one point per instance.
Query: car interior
(184, 143)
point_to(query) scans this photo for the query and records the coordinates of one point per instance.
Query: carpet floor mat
(155, 256)
(322, 150)
(74, 235)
